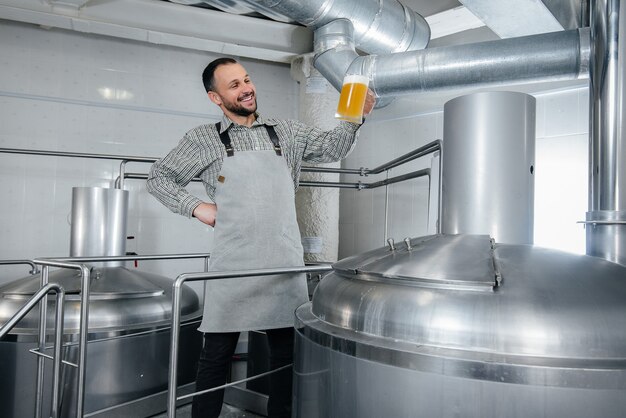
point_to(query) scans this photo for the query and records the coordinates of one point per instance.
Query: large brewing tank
(129, 323)
(457, 325)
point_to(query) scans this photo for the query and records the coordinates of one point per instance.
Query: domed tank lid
(460, 261)
(106, 283)
(120, 300)
(461, 292)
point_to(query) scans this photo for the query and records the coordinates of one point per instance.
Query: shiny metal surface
(545, 57)
(380, 26)
(434, 385)
(58, 336)
(119, 370)
(436, 260)
(606, 235)
(552, 56)
(489, 158)
(120, 299)
(118, 309)
(550, 338)
(98, 222)
(607, 149)
(549, 303)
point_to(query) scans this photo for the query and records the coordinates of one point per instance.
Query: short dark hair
(209, 71)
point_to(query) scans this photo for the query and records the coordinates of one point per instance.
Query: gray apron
(256, 227)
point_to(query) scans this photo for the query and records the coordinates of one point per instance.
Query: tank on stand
(129, 323)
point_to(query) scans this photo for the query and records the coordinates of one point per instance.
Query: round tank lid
(106, 283)
(463, 292)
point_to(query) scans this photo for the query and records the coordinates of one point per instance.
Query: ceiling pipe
(606, 218)
(380, 26)
(398, 65)
(546, 57)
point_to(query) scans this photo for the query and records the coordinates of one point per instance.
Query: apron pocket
(224, 246)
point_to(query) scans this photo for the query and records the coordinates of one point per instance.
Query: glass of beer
(352, 98)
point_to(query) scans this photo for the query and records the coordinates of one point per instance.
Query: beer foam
(356, 78)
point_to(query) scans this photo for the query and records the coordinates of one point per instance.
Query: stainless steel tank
(457, 325)
(129, 322)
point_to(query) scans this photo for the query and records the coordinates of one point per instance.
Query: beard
(238, 109)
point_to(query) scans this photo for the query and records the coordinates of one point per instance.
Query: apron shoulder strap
(272, 133)
(225, 138)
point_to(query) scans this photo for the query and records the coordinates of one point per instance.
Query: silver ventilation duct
(606, 219)
(399, 64)
(547, 57)
(380, 26)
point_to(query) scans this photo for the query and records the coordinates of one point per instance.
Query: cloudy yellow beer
(352, 98)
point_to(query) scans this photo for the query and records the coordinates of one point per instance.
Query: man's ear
(215, 98)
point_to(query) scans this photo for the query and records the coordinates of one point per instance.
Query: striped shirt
(200, 153)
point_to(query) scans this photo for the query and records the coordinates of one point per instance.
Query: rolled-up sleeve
(169, 176)
(326, 146)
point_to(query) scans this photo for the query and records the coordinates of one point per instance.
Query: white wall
(68, 91)
(52, 97)
(560, 182)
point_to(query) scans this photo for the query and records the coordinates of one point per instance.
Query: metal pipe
(39, 297)
(408, 176)
(76, 154)
(83, 329)
(33, 266)
(410, 156)
(386, 230)
(380, 26)
(120, 185)
(545, 57)
(424, 150)
(58, 345)
(238, 382)
(356, 171)
(128, 258)
(339, 185)
(43, 309)
(606, 234)
(176, 314)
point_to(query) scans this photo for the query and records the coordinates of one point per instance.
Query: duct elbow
(334, 50)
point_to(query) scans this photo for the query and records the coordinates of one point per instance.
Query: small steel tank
(129, 324)
(457, 325)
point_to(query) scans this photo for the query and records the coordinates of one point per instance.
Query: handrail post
(43, 306)
(83, 334)
(84, 321)
(39, 297)
(120, 184)
(173, 367)
(58, 345)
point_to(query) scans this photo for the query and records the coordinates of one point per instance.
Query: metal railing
(70, 263)
(176, 318)
(41, 297)
(424, 150)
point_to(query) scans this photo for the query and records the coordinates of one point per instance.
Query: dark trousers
(214, 364)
